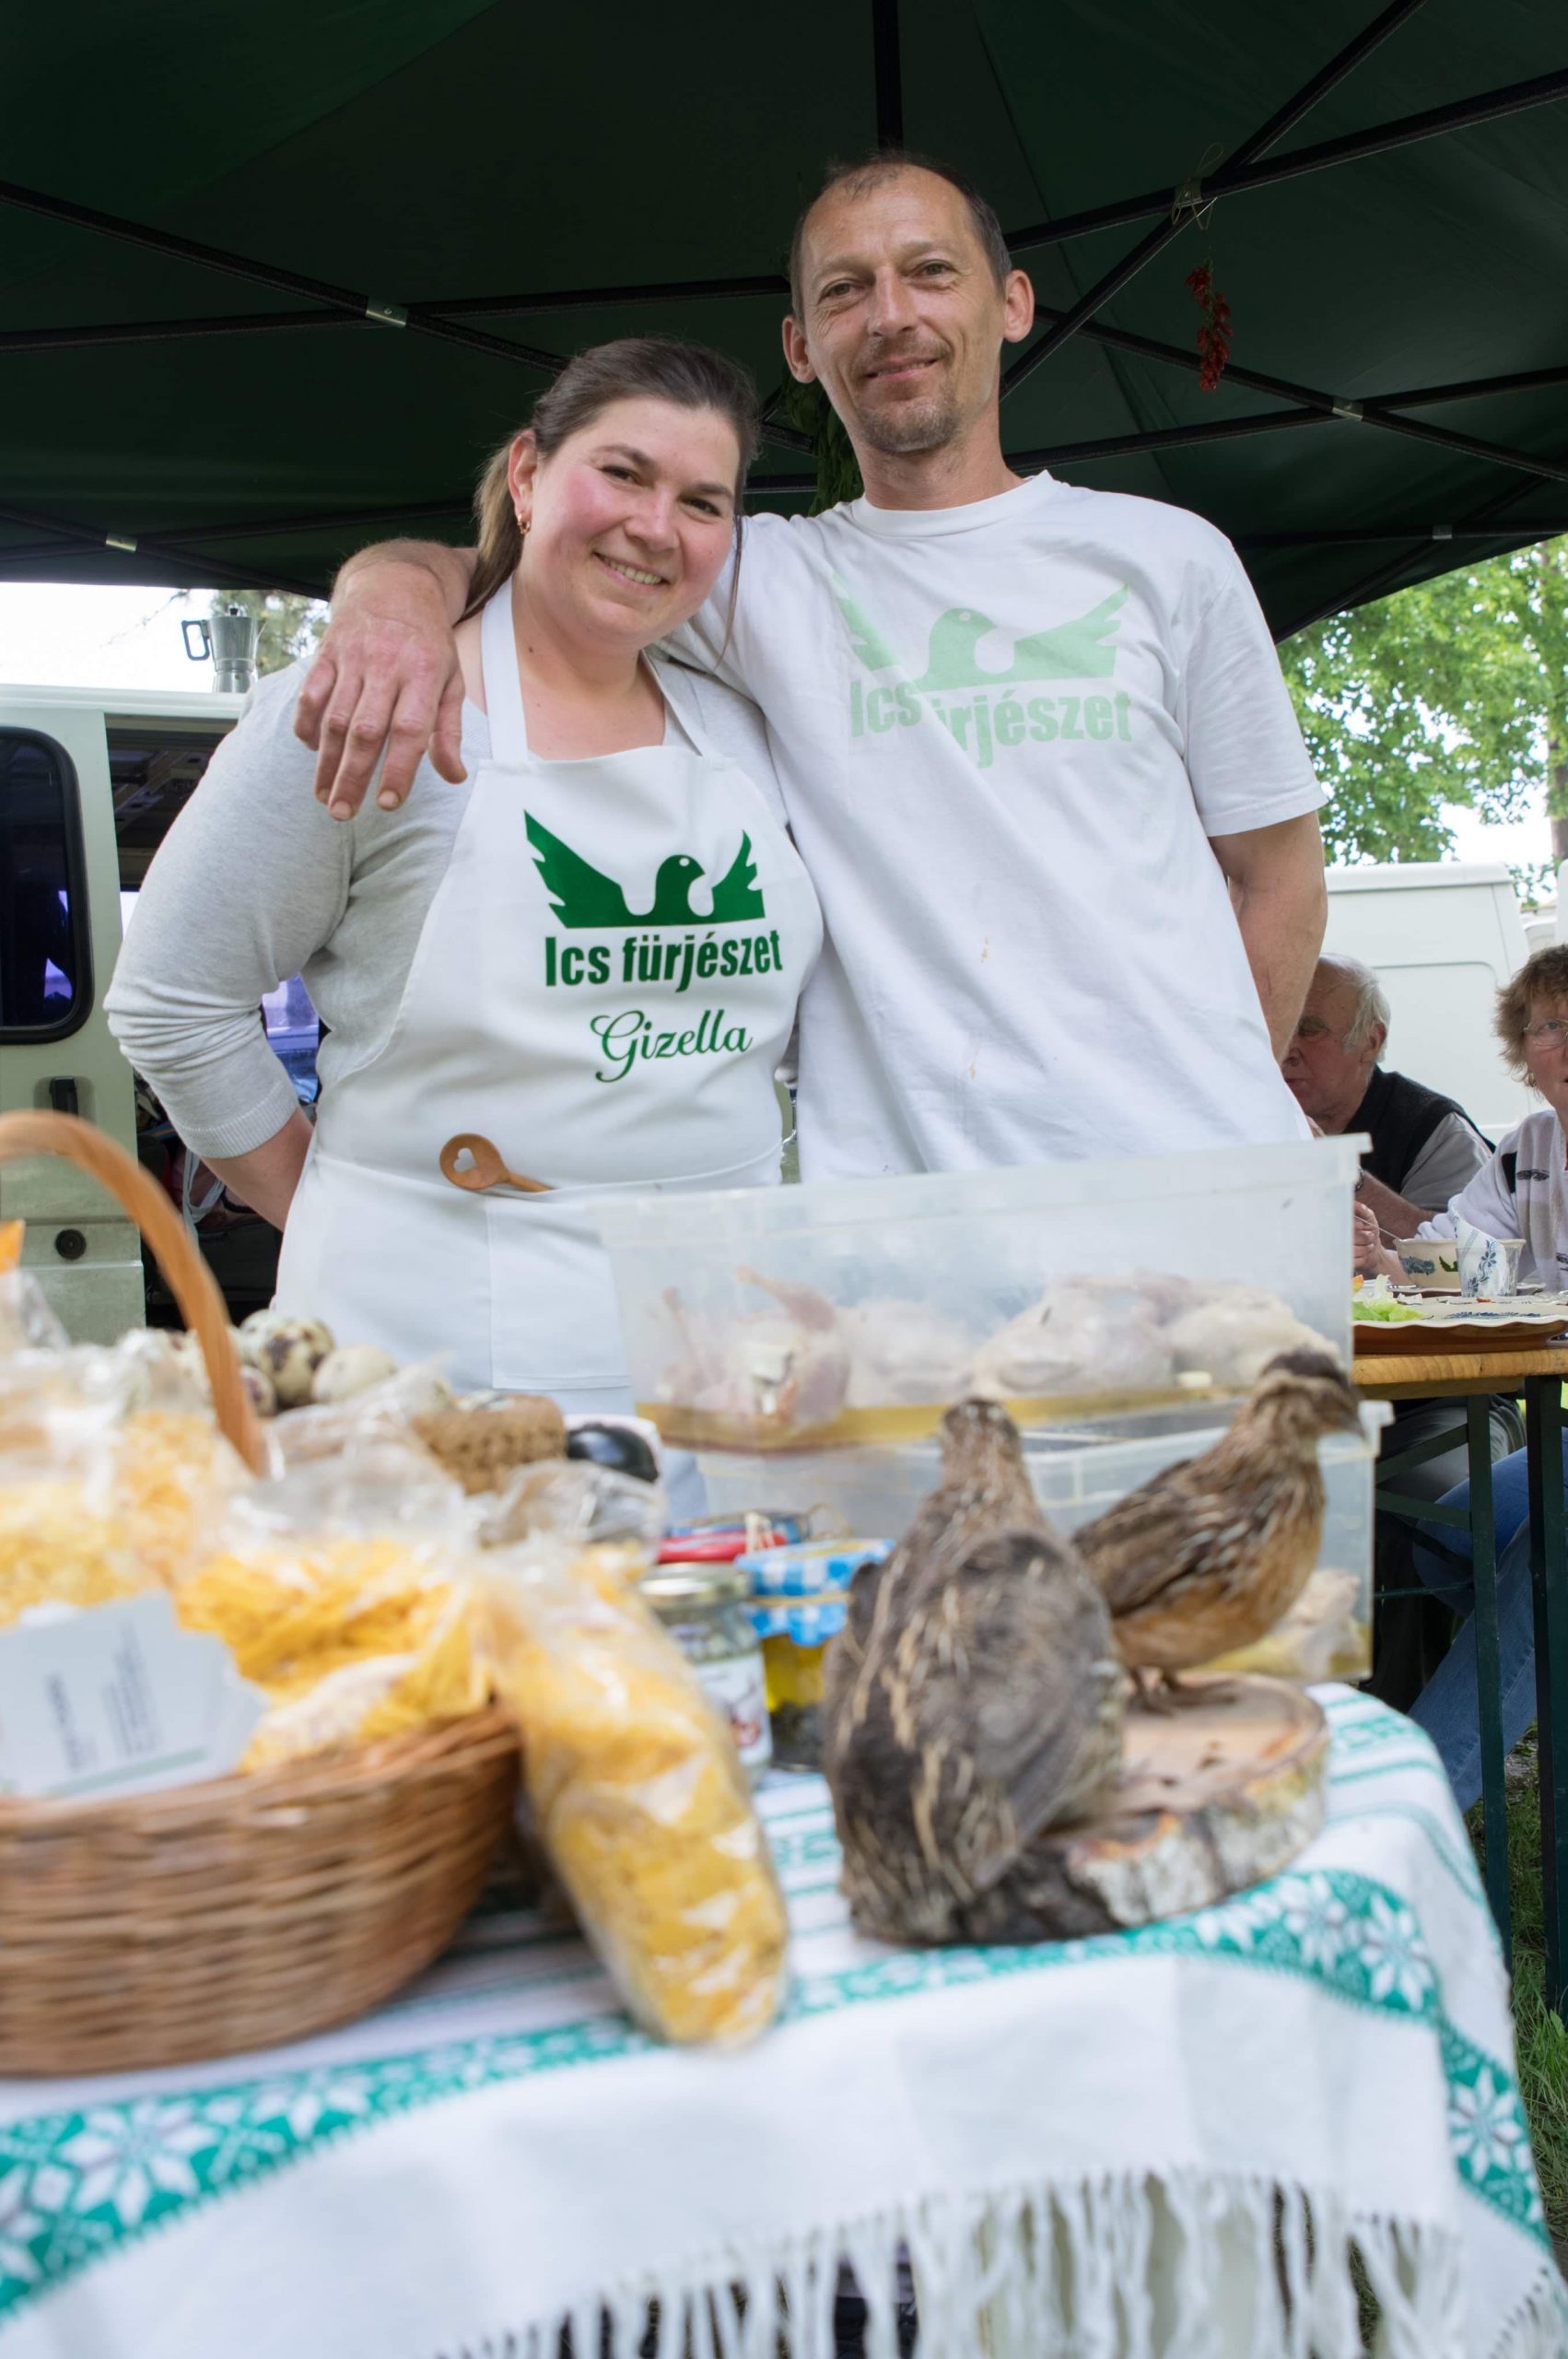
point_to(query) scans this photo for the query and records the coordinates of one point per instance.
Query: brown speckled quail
(1213, 1551)
(973, 1698)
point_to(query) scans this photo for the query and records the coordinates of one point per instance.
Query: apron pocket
(555, 1323)
(391, 1261)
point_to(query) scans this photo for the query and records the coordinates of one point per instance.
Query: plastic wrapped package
(27, 1322)
(639, 1799)
(1094, 1290)
(384, 1412)
(94, 1505)
(170, 1480)
(437, 1676)
(52, 1550)
(83, 1484)
(1322, 1637)
(614, 1522)
(344, 1591)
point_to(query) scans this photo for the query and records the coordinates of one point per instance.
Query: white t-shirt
(1005, 735)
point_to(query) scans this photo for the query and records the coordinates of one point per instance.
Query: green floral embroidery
(1488, 2134)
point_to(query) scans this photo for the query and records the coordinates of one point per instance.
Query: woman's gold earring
(523, 522)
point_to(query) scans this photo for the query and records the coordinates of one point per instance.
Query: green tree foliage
(291, 625)
(1455, 692)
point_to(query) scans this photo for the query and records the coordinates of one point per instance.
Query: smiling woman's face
(1546, 1054)
(631, 519)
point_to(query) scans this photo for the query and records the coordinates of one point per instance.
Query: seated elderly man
(1425, 1149)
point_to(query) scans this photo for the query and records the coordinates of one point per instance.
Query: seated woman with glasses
(1522, 1191)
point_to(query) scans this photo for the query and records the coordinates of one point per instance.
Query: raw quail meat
(902, 1352)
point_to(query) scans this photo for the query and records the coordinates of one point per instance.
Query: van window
(45, 953)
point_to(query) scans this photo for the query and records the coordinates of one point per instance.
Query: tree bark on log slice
(1217, 1794)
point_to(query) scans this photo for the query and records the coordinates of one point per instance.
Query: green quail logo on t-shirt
(667, 946)
(984, 706)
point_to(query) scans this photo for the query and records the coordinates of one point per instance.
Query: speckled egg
(352, 1368)
(290, 1350)
(259, 1389)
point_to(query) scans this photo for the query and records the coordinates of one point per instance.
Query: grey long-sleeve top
(254, 884)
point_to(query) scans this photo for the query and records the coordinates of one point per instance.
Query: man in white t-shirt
(1034, 741)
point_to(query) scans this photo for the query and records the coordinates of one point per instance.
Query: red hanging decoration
(1214, 335)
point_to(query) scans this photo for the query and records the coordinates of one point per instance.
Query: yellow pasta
(350, 1638)
(173, 1477)
(54, 1550)
(642, 1806)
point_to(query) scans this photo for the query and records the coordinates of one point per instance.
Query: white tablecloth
(1112, 2147)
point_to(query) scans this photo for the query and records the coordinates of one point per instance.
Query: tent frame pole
(1184, 203)
(1233, 179)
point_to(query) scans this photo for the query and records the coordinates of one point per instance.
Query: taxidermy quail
(973, 1698)
(1212, 1553)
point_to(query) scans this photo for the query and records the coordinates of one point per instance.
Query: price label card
(118, 1699)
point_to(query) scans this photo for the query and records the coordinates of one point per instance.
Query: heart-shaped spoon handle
(484, 1168)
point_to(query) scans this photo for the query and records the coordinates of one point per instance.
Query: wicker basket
(169, 1927)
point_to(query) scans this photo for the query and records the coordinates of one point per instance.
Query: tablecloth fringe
(1539, 2330)
(1119, 2267)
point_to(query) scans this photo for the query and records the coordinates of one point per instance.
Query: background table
(1106, 2146)
(1473, 1377)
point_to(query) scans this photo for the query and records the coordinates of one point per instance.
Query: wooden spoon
(484, 1168)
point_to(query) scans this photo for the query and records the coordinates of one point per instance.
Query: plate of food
(1383, 1321)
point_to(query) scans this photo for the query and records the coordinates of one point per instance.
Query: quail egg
(290, 1350)
(351, 1368)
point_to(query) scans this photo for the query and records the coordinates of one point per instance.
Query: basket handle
(190, 1281)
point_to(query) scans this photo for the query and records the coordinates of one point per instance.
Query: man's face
(902, 321)
(1328, 1080)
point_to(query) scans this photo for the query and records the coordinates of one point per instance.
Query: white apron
(602, 987)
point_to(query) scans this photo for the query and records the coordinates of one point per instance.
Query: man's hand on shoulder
(386, 675)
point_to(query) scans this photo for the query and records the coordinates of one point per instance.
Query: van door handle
(64, 1095)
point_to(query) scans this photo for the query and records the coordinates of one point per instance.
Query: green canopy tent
(275, 282)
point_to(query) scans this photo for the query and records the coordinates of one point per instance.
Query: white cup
(1488, 1265)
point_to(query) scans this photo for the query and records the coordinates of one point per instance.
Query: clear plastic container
(1085, 1292)
(1077, 1475)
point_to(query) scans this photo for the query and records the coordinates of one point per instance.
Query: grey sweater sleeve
(1446, 1164)
(250, 881)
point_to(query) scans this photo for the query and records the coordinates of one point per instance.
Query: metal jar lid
(683, 1588)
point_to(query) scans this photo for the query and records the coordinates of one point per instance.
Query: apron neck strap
(503, 688)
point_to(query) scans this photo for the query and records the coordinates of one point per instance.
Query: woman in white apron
(605, 976)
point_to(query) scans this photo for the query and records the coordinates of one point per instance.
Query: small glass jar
(705, 1610)
(799, 1597)
(795, 1634)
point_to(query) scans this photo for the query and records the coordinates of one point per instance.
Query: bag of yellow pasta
(100, 1495)
(639, 1799)
(342, 1591)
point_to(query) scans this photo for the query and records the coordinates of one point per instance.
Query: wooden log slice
(1216, 1794)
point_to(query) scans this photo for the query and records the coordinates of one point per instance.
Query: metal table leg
(1548, 1581)
(1489, 1669)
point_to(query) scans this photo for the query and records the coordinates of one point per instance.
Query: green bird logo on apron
(670, 946)
(583, 896)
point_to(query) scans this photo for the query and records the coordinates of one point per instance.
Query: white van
(90, 781)
(1443, 937)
